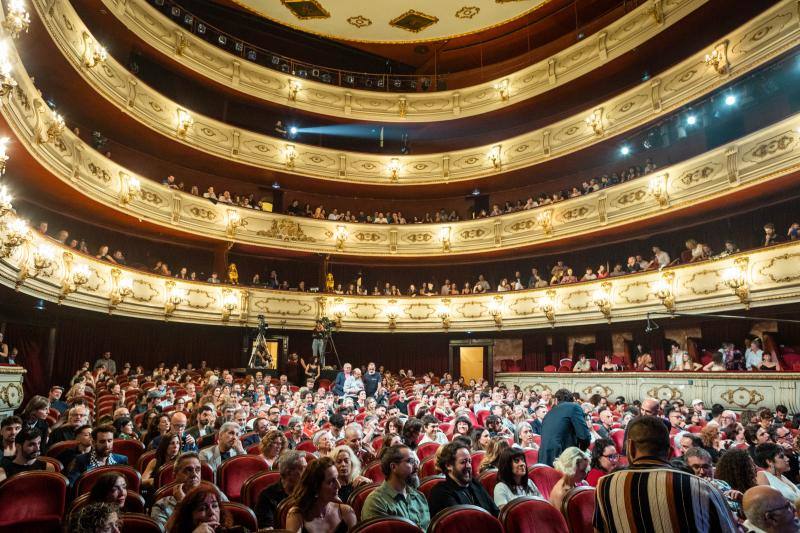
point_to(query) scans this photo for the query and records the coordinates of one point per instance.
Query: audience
(292, 466)
(768, 511)
(398, 496)
(512, 478)
(459, 487)
(573, 464)
(317, 504)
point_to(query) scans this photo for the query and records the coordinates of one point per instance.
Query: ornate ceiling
(387, 21)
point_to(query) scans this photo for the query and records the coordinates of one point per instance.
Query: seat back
(426, 450)
(373, 471)
(232, 473)
(489, 479)
(242, 515)
(428, 467)
(88, 479)
(306, 446)
(578, 508)
(132, 449)
(144, 460)
(618, 436)
(383, 524)
(545, 478)
(532, 515)
(59, 448)
(460, 518)
(426, 484)
(33, 495)
(134, 503)
(477, 457)
(139, 523)
(252, 487)
(531, 456)
(359, 496)
(55, 463)
(282, 512)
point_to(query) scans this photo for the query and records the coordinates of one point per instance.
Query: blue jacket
(81, 465)
(564, 426)
(338, 385)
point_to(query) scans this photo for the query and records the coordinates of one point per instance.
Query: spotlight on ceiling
(293, 130)
(625, 150)
(476, 192)
(276, 185)
(730, 100)
(691, 120)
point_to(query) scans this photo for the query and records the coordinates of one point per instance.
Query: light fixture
(7, 83)
(294, 88)
(185, 122)
(340, 235)
(75, 276)
(3, 155)
(548, 306)
(17, 18)
(293, 130)
(43, 258)
(339, 309)
(443, 312)
(130, 188)
(595, 121)
(233, 221)
(602, 299)
(276, 185)
(392, 312)
(730, 100)
(402, 106)
(625, 150)
(5, 201)
(290, 154)
(494, 157)
(476, 192)
(502, 88)
(444, 237)
(174, 296)
(736, 278)
(17, 234)
(496, 310)
(663, 290)
(716, 60)
(122, 287)
(691, 120)
(657, 187)
(545, 220)
(394, 168)
(53, 127)
(93, 53)
(229, 302)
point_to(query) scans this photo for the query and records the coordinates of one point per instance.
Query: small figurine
(233, 274)
(329, 283)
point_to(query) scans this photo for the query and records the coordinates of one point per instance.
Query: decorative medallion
(359, 21)
(419, 237)
(306, 9)
(11, 395)
(742, 397)
(665, 392)
(602, 390)
(99, 173)
(467, 12)
(286, 230)
(690, 177)
(413, 21)
(787, 264)
(632, 197)
(201, 212)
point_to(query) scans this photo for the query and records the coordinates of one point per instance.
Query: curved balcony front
(752, 45)
(271, 85)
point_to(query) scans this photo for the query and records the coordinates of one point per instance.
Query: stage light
(691, 120)
(476, 192)
(625, 150)
(276, 185)
(293, 131)
(730, 100)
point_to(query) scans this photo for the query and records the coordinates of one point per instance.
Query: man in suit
(228, 445)
(100, 455)
(564, 426)
(460, 487)
(341, 377)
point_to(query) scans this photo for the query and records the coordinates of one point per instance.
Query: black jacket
(562, 427)
(450, 493)
(267, 505)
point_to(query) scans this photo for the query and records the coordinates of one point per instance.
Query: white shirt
(753, 359)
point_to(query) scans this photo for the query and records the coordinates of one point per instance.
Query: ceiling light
(730, 99)
(691, 120)
(625, 150)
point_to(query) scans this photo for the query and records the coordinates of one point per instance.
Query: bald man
(767, 511)
(178, 425)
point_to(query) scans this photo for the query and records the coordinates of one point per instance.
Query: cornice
(748, 47)
(211, 62)
(45, 269)
(768, 154)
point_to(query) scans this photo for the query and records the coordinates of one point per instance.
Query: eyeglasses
(612, 456)
(787, 506)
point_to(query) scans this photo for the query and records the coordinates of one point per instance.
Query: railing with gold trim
(734, 390)
(768, 154)
(748, 47)
(620, 37)
(43, 268)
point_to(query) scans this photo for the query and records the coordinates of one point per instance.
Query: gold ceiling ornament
(294, 87)
(7, 83)
(338, 310)
(130, 188)
(503, 89)
(394, 168)
(341, 234)
(717, 58)
(595, 121)
(3, 155)
(234, 221)
(467, 12)
(229, 303)
(657, 187)
(742, 397)
(17, 233)
(413, 21)
(444, 237)
(736, 278)
(5, 203)
(548, 305)
(392, 312)
(545, 220)
(664, 290)
(44, 257)
(93, 52)
(496, 308)
(306, 9)
(359, 21)
(173, 297)
(495, 156)
(603, 299)
(185, 121)
(121, 288)
(443, 312)
(75, 276)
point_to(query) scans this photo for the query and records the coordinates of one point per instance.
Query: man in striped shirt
(652, 497)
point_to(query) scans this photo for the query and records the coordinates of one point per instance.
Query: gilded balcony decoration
(651, 99)
(664, 291)
(63, 275)
(214, 63)
(17, 19)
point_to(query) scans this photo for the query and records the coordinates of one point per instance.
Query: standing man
(110, 364)
(341, 378)
(55, 399)
(562, 427)
(318, 342)
(398, 494)
(371, 380)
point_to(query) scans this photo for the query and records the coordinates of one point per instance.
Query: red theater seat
(532, 515)
(428, 467)
(33, 501)
(242, 515)
(531, 456)
(373, 471)
(489, 479)
(88, 479)
(426, 450)
(166, 474)
(545, 478)
(145, 459)
(55, 463)
(232, 473)
(134, 503)
(386, 525)
(59, 448)
(578, 508)
(359, 496)
(306, 446)
(476, 457)
(132, 449)
(282, 512)
(256, 483)
(139, 523)
(426, 484)
(460, 518)
(618, 436)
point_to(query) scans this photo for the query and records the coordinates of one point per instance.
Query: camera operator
(319, 335)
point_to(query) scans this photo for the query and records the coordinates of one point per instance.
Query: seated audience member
(462, 426)
(480, 439)
(716, 364)
(699, 462)
(168, 450)
(101, 455)
(55, 400)
(272, 445)
(177, 426)
(318, 508)
(606, 417)
(354, 437)
(582, 364)
(769, 363)
(83, 440)
(28, 449)
(774, 463)
(495, 448)
(200, 512)
(608, 365)
(573, 463)
(110, 488)
(459, 487)
(260, 430)
(431, 433)
(124, 429)
(767, 511)
(348, 468)
(538, 416)
(99, 517)
(205, 423)
(292, 466)
(564, 426)
(188, 472)
(324, 441)
(604, 460)
(525, 436)
(398, 495)
(35, 416)
(9, 427)
(228, 445)
(512, 478)
(649, 477)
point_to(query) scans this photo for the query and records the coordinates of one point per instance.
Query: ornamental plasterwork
(665, 392)
(743, 397)
(567, 136)
(359, 21)
(467, 12)
(782, 269)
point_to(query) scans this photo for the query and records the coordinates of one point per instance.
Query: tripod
(329, 339)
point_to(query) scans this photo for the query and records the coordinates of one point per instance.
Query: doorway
(472, 359)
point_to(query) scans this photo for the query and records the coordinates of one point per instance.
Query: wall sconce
(290, 154)
(7, 83)
(717, 60)
(602, 299)
(17, 18)
(294, 88)
(74, 276)
(736, 278)
(548, 305)
(5, 201)
(185, 121)
(18, 233)
(3, 155)
(444, 236)
(657, 187)
(55, 127)
(229, 303)
(43, 258)
(174, 297)
(402, 106)
(93, 53)
(443, 312)
(233, 221)
(392, 312)
(122, 287)
(339, 309)
(394, 168)
(340, 235)
(494, 157)
(496, 310)
(502, 88)
(595, 121)
(545, 220)
(664, 290)
(130, 188)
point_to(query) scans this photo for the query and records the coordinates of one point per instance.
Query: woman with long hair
(317, 506)
(574, 464)
(480, 439)
(158, 426)
(512, 477)
(493, 451)
(98, 517)
(200, 512)
(462, 426)
(169, 447)
(111, 487)
(348, 468)
(272, 445)
(34, 416)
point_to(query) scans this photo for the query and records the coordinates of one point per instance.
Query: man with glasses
(398, 494)
(767, 511)
(785, 439)
(677, 420)
(187, 476)
(699, 462)
(178, 425)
